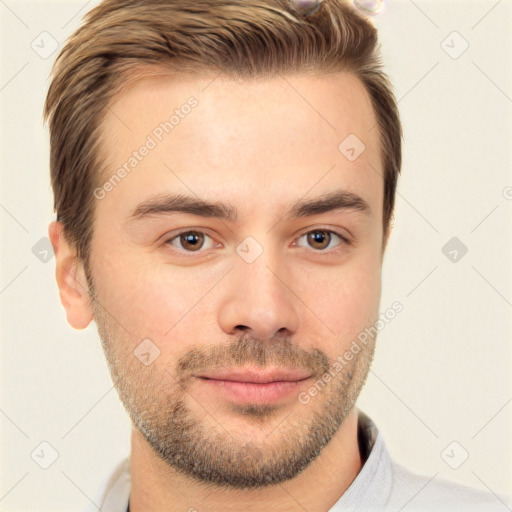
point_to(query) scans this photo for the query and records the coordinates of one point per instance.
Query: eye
(320, 239)
(190, 241)
(193, 241)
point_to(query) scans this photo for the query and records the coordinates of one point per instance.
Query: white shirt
(381, 485)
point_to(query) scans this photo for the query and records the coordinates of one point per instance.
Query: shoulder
(425, 493)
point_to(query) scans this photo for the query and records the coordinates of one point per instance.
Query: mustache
(247, 350)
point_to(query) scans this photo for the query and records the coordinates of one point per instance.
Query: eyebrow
(165, 204)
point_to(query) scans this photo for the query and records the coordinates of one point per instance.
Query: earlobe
(71, 280)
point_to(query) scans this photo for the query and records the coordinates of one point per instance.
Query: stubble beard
(158, 404)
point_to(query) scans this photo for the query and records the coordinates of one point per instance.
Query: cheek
(149, 298)
(162, 302)
(346, 300)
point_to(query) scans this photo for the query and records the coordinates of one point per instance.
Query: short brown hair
(242, 39)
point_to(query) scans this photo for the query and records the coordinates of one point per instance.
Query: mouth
(254, 385)
(257, 376)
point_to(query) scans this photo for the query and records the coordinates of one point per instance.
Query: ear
(71, 280)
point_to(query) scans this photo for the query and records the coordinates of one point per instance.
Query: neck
(156, 487)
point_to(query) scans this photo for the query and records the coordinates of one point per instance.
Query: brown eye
(192, 240)
(319, 239)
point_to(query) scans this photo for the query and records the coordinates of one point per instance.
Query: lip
(257, 375)
(254, 385)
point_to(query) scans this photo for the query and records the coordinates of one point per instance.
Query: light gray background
(442, 367)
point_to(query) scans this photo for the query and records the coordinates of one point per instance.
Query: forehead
(257, 141)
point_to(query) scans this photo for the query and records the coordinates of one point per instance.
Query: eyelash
(343, 240)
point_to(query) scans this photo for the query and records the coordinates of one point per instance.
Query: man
(227, 238)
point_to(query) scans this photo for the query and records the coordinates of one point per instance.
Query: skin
(258, 146)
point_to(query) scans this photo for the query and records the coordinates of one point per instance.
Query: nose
(258, 298)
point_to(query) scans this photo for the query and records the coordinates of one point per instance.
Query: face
(273, 278)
